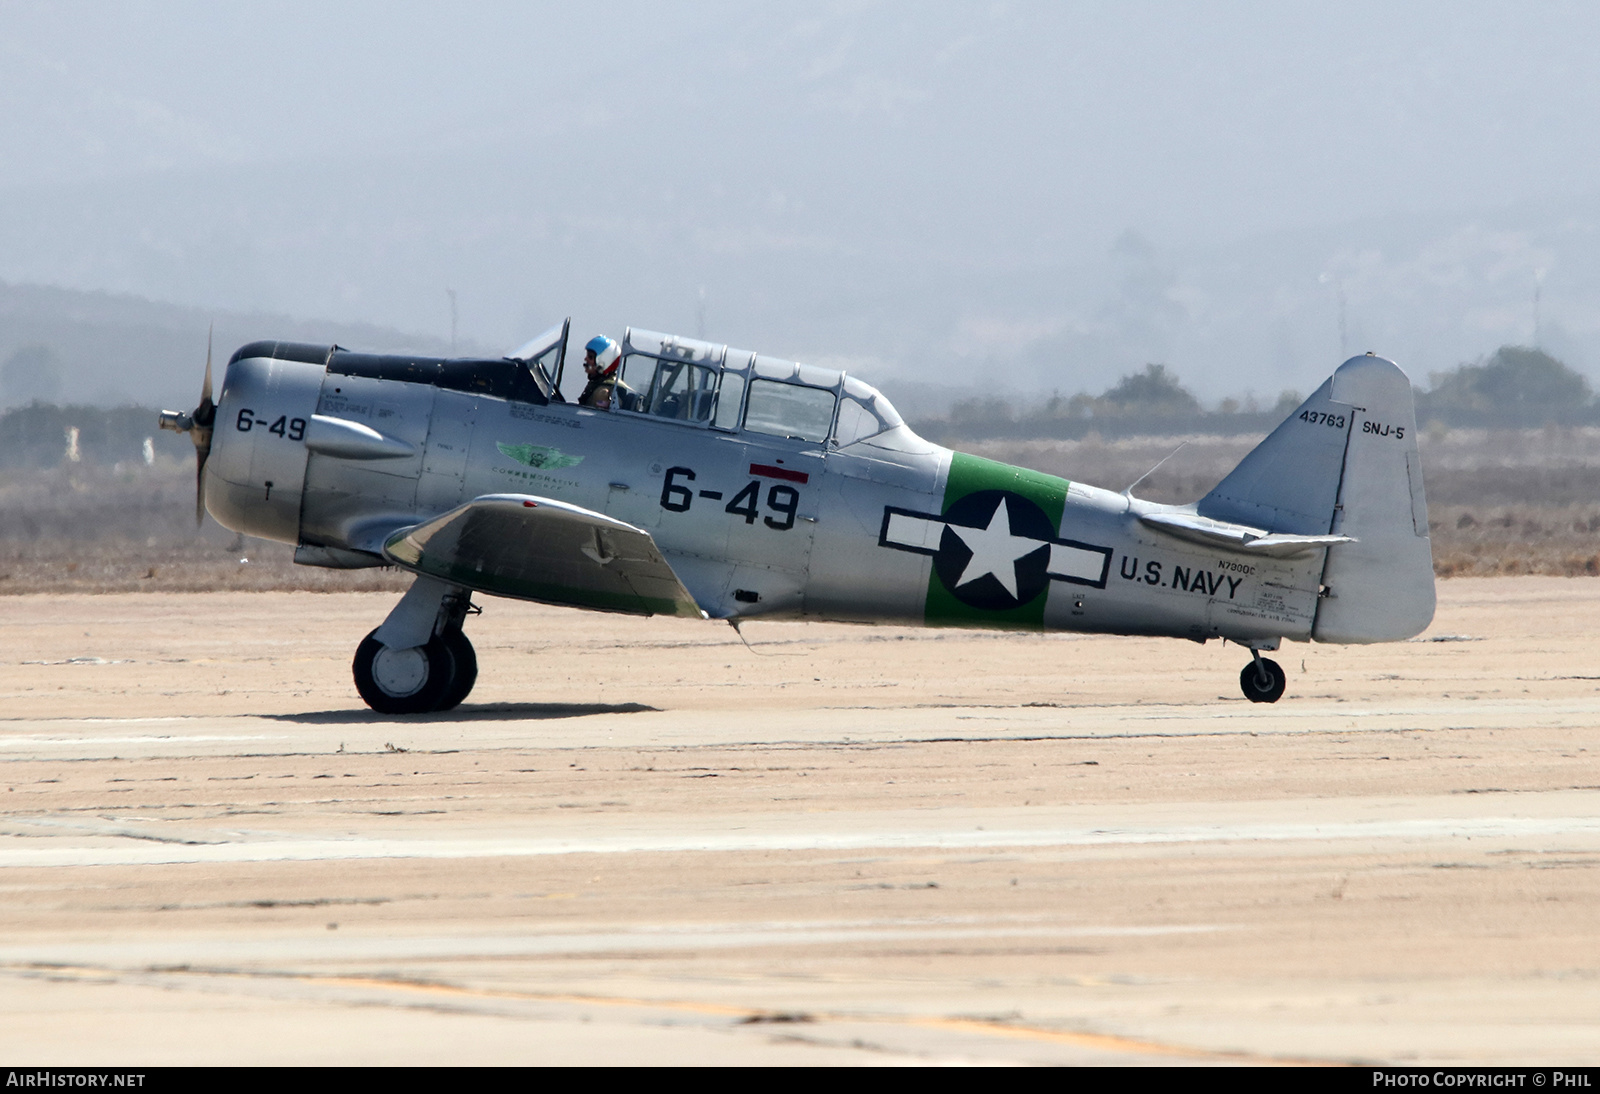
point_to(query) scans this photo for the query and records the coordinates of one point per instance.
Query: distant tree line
(1515, 387)
(1151, 401)
(44, 435)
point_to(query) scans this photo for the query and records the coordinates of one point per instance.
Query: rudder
(1380, 587)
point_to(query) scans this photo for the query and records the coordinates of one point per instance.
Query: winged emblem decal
(535, 455)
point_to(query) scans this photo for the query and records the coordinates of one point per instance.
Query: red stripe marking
(768, 471)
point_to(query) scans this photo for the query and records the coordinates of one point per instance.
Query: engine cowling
(322, 448)
(255, 476)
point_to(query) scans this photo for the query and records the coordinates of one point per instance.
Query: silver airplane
(724, 484)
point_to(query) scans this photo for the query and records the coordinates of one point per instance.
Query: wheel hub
(400, 672)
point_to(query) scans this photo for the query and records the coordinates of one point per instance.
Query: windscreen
(543, 354)
(863, 413)
(789, 410)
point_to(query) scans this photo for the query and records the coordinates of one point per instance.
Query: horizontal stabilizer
(534, 548)
(1238, 537)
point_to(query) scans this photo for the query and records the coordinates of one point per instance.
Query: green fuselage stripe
(968, 475)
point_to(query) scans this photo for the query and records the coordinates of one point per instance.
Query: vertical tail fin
(1379, 588)
(1346, 463)
(1290, 481)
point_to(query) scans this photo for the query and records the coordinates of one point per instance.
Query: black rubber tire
(435, 678)
(464, 669)
(1251, 684)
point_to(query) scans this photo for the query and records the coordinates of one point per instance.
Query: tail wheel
(464, 672)
(407, 681)
(1263, 681)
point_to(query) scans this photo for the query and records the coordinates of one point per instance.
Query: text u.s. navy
(723, 484)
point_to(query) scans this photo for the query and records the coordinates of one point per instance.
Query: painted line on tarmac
(154, 738)
(147, 853)
(214, 952)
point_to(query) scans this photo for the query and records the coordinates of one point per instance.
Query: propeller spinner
(198, 425)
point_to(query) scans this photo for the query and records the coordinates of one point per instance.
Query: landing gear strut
(1263, 680)
(419, 661)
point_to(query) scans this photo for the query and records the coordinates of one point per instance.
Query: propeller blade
(205, 388)
(200, 432)
(198, 426)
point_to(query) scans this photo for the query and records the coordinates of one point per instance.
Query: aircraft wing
(536, 548)
(1237, 537)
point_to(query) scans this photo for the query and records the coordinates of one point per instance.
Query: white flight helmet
(605, 350)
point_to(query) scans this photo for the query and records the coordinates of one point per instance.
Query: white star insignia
(995, 550)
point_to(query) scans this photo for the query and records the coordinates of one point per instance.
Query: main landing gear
(419, 661)
(1263, 680)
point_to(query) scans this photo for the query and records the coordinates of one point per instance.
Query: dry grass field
(131, 528)
(1499, 502)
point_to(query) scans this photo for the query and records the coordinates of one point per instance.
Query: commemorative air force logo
(537, 455)
(995, 549)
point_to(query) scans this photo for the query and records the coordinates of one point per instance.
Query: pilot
(600, 359)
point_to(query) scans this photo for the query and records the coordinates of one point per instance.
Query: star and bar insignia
(995, 549)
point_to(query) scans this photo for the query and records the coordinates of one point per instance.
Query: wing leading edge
(533, 548)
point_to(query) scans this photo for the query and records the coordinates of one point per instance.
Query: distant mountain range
(930, 320)
(112, 349)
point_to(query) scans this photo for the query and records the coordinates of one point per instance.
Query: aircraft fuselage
(889, 528)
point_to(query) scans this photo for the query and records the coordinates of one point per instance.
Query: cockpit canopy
(715, 387)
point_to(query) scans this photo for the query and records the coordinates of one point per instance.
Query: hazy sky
(1014, 193)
